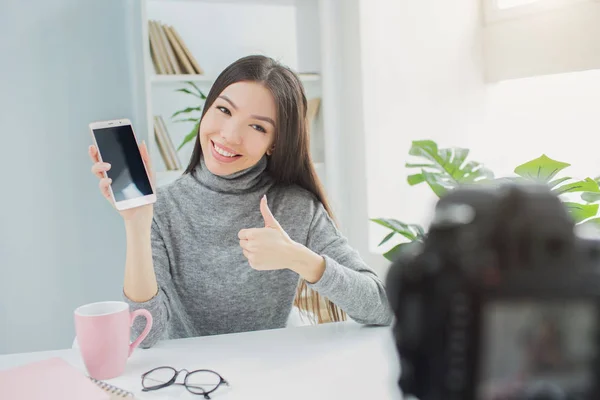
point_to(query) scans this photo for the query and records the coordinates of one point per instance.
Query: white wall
(422, 79)
(344, 133)
(65, 63)
(552, 114)
(562, 40)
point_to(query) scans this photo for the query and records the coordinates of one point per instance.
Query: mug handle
(145, 332)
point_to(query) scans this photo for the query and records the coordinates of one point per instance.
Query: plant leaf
(409, 231)
(409, 165)
(187, 120)
(415, 179)
(395, 251)
(541, 169)
(586, 185)
(590, 197)
(200, 93)
(580, 212)
(388, 237)
(436, 183)
(189, 92)
(190, 136)
(187, 110)
(447, 166)
(558, 181)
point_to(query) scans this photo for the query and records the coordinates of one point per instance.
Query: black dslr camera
(500, 302)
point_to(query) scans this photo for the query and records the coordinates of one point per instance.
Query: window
(499, 10)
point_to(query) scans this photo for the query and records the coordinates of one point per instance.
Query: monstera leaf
(444, 169)
(544, 170)
(591, 197)
(412, 232)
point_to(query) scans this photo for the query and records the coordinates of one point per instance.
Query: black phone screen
(118, 147)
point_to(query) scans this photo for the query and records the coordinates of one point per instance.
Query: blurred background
(464, 90)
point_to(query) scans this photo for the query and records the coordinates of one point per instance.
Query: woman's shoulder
(294, 198)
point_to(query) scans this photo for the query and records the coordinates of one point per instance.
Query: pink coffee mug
(103, 334)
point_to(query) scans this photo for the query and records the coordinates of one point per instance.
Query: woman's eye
(224, 110)
(259, 128)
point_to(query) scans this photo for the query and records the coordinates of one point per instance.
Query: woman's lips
(218, 150)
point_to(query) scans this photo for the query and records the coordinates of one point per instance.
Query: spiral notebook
(55, 379)
(114, 392)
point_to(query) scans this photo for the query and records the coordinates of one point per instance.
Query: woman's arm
(147, 280)
(343, 277)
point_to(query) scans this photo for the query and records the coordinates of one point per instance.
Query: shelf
(159, 79)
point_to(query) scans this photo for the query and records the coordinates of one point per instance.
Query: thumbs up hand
(266, 248)
(271, 248)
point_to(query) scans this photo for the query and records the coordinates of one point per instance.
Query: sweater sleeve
(160, 305)
(347, 281)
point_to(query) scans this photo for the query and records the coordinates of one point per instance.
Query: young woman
(246, 232)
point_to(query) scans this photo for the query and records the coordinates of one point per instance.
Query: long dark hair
(290, 161)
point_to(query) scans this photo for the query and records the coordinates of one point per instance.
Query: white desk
(331, 361)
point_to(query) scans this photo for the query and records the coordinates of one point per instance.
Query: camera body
(501, 301)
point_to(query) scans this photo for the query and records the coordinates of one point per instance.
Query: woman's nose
(231, 134)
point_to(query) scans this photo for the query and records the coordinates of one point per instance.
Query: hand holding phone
(124, 169)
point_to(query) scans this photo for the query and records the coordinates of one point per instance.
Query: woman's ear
(270, 150)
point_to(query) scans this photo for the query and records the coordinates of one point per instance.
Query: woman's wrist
(138, 227)
(308, 264)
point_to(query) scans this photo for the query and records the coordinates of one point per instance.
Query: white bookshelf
(217, 33)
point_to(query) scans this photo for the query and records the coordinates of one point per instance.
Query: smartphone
(117, 145)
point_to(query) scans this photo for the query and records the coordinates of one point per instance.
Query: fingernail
(265, 197)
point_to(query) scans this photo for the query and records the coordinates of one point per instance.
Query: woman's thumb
(270, 220)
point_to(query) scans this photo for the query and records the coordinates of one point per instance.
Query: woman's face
(239, 128)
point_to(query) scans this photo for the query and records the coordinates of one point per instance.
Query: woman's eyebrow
(259, 117)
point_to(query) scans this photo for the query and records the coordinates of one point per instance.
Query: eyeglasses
(201, 381)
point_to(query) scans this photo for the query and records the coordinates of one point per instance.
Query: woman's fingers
(146, 158)
(99, 168)
(105, 187)
(93, 152)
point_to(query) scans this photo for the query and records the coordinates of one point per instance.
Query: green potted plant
(190, 112)
(446, 169)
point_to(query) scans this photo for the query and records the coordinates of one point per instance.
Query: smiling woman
(247, 231)
(239, 128)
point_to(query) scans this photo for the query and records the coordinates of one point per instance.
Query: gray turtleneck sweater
(206, 286)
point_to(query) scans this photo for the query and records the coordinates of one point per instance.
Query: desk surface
(331, 361)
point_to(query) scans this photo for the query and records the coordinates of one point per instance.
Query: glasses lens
(158, 377)
(201, 382)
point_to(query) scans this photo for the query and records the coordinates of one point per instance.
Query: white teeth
(223, 152)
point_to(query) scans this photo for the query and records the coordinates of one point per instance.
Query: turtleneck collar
(238, 182)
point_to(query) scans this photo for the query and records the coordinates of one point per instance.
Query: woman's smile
(222, 153)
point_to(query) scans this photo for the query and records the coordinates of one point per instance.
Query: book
(162, 146)
(312, 111)
(169, 53)
(115, 393)
(55, 379)
(165, 145)
(170, 149)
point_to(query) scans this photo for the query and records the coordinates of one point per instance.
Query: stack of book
(165, 145)
(312, 111)
(169, 53)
